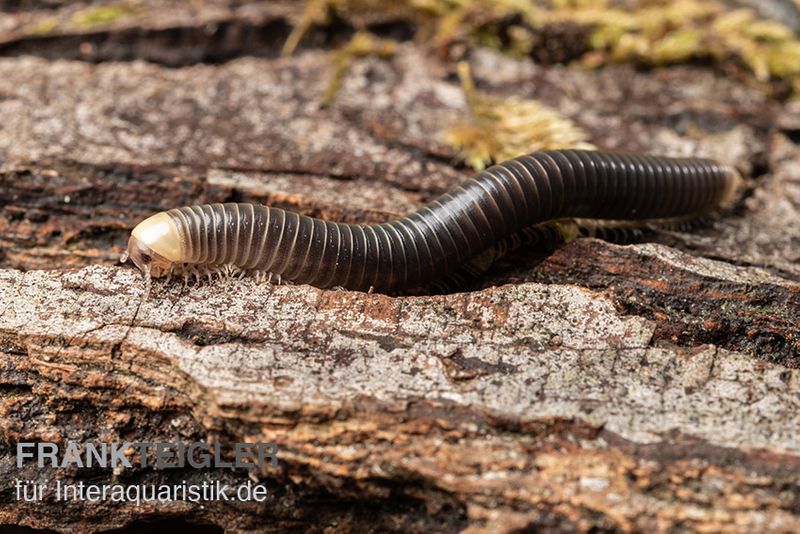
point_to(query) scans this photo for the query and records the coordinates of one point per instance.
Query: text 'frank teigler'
(160, 455)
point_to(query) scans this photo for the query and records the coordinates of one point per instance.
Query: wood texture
(651, 386)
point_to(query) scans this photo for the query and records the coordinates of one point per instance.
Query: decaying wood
(606, 387)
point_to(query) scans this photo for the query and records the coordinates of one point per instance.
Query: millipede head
(155, 246)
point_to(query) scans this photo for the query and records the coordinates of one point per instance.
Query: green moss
(44, 27)
(665, 32)
(677, 46)
(569, 230)
(101, 15)
(654, 32)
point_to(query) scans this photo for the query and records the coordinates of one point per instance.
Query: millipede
(495, 205)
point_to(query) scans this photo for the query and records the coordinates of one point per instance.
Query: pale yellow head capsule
(155, 245)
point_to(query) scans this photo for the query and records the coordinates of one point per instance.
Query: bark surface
(602, 387)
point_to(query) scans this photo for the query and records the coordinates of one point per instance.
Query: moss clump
(44, 27)
(500, 129)
(653, 32)
(662, 32)
(101, 15)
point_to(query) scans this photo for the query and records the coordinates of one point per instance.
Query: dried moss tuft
(500, 129)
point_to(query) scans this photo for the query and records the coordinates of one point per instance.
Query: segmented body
(494, 205)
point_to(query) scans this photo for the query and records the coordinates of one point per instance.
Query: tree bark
(606, 387)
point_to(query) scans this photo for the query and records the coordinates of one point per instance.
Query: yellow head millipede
(441, 236)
